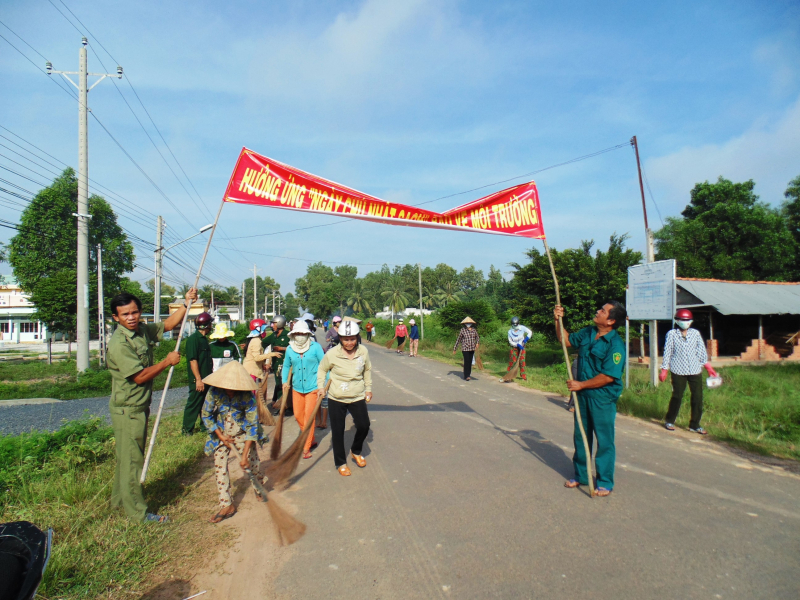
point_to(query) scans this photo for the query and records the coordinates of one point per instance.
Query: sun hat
(337, 318)
(348, 329)
(300, 327)
(467, 320)
(221, 331)
(351, 319)
(401, 320)
(412, 322)
(232, 376)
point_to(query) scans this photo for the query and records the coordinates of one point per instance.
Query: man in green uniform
(198, 361)
(279, 340)
(598, 383)
(130, 362)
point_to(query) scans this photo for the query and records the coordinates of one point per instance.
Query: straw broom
(264, 417)
(586, 448)
(478, 360)
(280, 470)
(289, 529)
(277, 435)
(388, 344)
(514, 371)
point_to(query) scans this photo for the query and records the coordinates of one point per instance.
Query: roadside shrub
(480, 310)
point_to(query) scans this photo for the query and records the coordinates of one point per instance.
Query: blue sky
(411, 101)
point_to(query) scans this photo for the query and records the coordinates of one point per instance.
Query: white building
(408, 312)
(17, 323)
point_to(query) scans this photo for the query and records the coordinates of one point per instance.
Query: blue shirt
(414, 333)
(605, 355)
(304, 368)
(241, 409)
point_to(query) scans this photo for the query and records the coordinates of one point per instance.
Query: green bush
(480, 310)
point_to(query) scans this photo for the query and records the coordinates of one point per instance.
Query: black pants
(277, 395)
(194, 405)
(678, 388)
(338, 413)
(468, 354)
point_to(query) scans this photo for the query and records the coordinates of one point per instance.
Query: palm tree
(448, 293)
(357, 300)
(396, 294)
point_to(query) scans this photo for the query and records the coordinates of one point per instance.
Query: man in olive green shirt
(199, 365)
(279, 340)
(130, 362)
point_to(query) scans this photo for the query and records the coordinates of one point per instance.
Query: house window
(4, 328)
(28, 327)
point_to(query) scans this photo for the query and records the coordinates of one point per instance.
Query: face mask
(684, 324)
(301, 338)
(515, 327)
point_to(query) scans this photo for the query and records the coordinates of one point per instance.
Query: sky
(407, 101)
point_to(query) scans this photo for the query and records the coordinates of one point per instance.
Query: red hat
(684, 314)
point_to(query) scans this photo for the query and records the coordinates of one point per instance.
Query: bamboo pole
(177, 349)
(586, 448)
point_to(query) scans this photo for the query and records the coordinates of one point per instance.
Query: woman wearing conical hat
(468, 338)
(231, 418)
(223, 348)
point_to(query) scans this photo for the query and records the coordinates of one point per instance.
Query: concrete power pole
(159, 267)
(421, 316)
(101, 318)
(255, 306)
(83, 215)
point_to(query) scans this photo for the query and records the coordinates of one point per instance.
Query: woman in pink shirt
(400, 332)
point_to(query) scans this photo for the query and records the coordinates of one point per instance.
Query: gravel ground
(49, 417)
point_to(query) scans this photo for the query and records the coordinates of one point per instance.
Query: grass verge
(757, 408)
(63, 480)
(37, 379)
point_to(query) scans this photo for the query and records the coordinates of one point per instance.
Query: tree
(396, 295)
(357, 301)
(44, 253)
(166, 289)
(791, 214)
(479, 310)
(585, 281)
(726, 233)
(290, 302)
(471, 280)
(315, 290)
(264, 288)
(448, 293)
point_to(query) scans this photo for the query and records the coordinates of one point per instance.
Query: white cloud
(767, 153)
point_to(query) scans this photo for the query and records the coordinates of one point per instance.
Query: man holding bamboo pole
(598, 385)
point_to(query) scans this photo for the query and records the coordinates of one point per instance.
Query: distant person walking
(370, 328)
(518, 337)
(685, 355)
(469, 340)
(332, 337)
(132, 369)
(598, 384)
(198, 361)
(325, 325)
(302, 359)
(413, 335)
(350, 389)
(401, 333)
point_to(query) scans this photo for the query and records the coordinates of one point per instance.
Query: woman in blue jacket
(302, 358)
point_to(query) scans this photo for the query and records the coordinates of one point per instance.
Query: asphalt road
(49, 417)
(463, 497)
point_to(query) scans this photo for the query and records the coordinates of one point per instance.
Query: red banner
(265, 182)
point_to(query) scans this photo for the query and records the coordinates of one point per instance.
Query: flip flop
(344, 471)
(360, 460)
(602, 492)
(572, 483)
(219, 517)
(307, 455)
(153, 518)
(699, 430)
(669, 426)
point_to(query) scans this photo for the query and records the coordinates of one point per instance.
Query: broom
(478, 360)
(264, 417)
(289, 529)
(388, 344)
(280, 470)
(586, 448)
(277, 435)
(512, 374)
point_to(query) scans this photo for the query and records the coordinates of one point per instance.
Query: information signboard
(651, 291)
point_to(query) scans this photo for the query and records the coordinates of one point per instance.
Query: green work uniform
(605, 355)
(197, 348)
(281, 340)
(129, 352)
(224, 351)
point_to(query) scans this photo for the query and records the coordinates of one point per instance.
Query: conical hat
(467, 320)
(221, 331)
(233, 376)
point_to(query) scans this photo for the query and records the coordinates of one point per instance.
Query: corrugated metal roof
(746, 298)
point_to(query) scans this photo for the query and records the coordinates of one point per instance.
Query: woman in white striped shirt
(685, 355)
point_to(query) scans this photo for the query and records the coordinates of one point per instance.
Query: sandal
(344, 471)
(153, 518)
(307, 455)
(360, 461)
(699, 430)
(602, 492)
(669, 426)
(571, 483)
(220, 516)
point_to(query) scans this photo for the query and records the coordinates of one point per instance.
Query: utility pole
(83, 215)
(421, 316)
(651, 257)
(159, 267)
(255, 305)
(241, 314)
(101, 319)
(274, 314)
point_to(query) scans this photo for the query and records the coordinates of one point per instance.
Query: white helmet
(348, 328)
